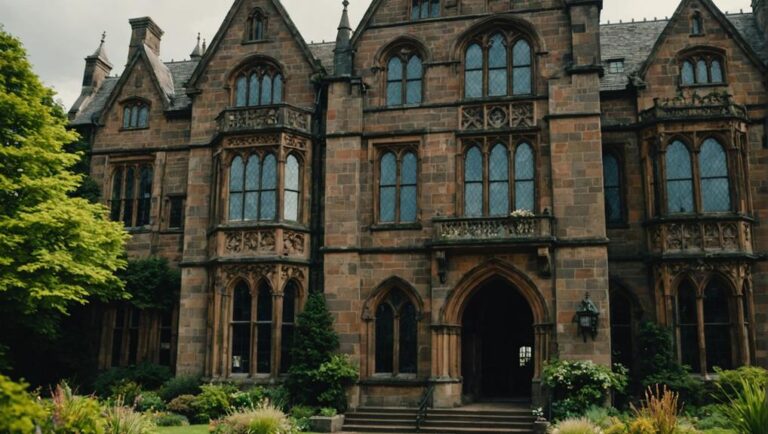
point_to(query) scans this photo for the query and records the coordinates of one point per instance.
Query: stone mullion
(398, 183)
(225, 327)
(736, 180)
(661, 164)
(511, 189)
(368, 350)
(698, 200)
(396, 344)
(486, 182)
(254, 341)
(742, 333)
(701, 334)
(277, 333)
(752, 326)
(215, 349)
(281, 156)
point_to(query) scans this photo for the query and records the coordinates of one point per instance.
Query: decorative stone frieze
(498, 116)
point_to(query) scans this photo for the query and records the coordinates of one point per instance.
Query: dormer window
(697, 26)
(425, 9)
(257, 25)
(616, 66)
(258, 85)
(701, 70)
(135, 115)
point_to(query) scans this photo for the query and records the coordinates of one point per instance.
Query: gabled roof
(90, 111)
(374, 6)
(720, 17)
(323, 52)
(213, 48)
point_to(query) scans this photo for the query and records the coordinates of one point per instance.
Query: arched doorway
(497, 344)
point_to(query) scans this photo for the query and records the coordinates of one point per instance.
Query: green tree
(151, 283)
(56, 250)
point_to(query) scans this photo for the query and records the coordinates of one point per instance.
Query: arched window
(687, 75)
(687, 324)
(697, 27)
(257, 86)
(702, 72)
(264, 329)
(487, 71)
(716, 72)
(612, 187)
(396, 335)
(135, 115)
(398, 182)
(702, 68)
(713, 167)
(292, 189)
(473, 183)
(131, 200)
(498, 174)
(252, 188)
(421, 9)
(256, 26)
(290, 310)
(621, 329)
(404, 80)
(525, 184)
(679, 179)
(717, 326)
(240, 325)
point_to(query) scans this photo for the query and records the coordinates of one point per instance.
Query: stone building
(457, 176)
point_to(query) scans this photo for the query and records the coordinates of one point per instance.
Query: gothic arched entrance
(497, 343)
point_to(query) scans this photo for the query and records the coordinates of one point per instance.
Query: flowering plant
(519, 213)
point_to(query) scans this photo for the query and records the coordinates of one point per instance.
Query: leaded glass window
(715, 187)
(292, 189)
(702, 74)
(421, 9)
(268, 192)
(396, 335)
(521, 68)
(135, 115)
(264, 329)
(525, 184)
(688, 326)
(256, 27)
(497, 66)
(131, 199)
(708, 69)
(697, 28)
(290, 305)
(687, 75)
(612, 189)
(241, 329)
(679, 179)
(261, 85)
(252, 188)
(717, 326)
(498, 172)
(716, 72)
(473, 183)
(398, 185)
(404, 81)
(473, 72)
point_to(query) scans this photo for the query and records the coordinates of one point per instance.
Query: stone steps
(517, 420)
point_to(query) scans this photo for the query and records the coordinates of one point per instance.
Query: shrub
(328, 412)
(126, 391)
(301, 415)
(576, 426)
(169, 419)
(336, 374)
(617, 428)
(213, 402)
(182, 385)
(277, 396)
(124, 420)
(730, 381)
(711, 416)
(642, 425)
(264, 419)
(579, 385)
(182, 405)
(747, 409)
(150, 401)
(660, 407)
(147, 375)
(20, 412)
(74, 414)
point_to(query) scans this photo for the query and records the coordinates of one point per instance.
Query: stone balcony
(256, 119)
(259, 239)
(700, 235)
(713, 105)
(463, 231)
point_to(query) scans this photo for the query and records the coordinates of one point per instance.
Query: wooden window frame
(399, 150)
(119, 205)
(511, 38)
(486, 144)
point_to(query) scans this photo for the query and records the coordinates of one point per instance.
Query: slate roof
(174, 75)
(633, 42)
(323, 51)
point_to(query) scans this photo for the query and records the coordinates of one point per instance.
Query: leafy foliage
(56, 250)
(579, 385)
(147, 375)
(747, 408)
(74, 414)
(124, 420)
(576, 426)
(213, 402)
(20, 413)
(182, 404)
(170, 419)
(317, 377)
(181, 385)
(151, 283)
(730, 381)
(150, 401)
(264, 419)
(661, 408)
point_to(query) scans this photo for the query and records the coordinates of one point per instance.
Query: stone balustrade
(254, 119)
(716, 234)
(465, 230)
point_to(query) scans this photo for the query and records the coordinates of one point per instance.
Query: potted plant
(328, 420)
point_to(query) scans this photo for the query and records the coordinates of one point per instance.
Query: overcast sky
(58, 34)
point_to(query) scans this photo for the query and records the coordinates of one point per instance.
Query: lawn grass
(192, 429)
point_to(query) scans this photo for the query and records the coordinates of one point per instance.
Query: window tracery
(498, 65)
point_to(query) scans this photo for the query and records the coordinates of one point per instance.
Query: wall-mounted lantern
(587, 316)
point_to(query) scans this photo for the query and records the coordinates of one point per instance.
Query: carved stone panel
(498, 116)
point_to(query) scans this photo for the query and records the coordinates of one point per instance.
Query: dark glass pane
(610, 170)
(473, 165)
(241, 303)
(269, 173)
(236, 175)
(409, 170)
(718, 342)
(524, 162)
(499, 163)
(127, 117)
(414, 69)
(117, 345)
(144, 117)
(252, 173)
(266, 90)
(235, 206)
(264, 304)
(277, 93)
(716, 304)
(621, 310)
(289, 303)
(387, 201)
(385, 329)
(395, 69)
(415, 9)
(285, 347)
(687, 73)
(133, 345)
(696, 25)
(251, 206)
(424, 9)
(117, 189)
(521, 53)
(394, 93)
(176, 214)
(521, 80)
(241, 348)
(268, 205)
(241, 92)
(499, 198)
(701, 72)
(264, 348)
(388, 175)
(434, 11)
(145, 196)
(408, 204)
(473, 82)
(474, 59)
(686, 305)
(716, 72)
(134, 116)
(679, 182)
(613, 205)
(253, 91)
(689, 347)
(408, 339)
(680, 196)
(129, 196)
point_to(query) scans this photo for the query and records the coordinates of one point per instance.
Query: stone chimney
(145, 32)
(760, 9)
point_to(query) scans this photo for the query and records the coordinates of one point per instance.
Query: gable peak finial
(103, 37)
(345, 3)
(198, 51)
